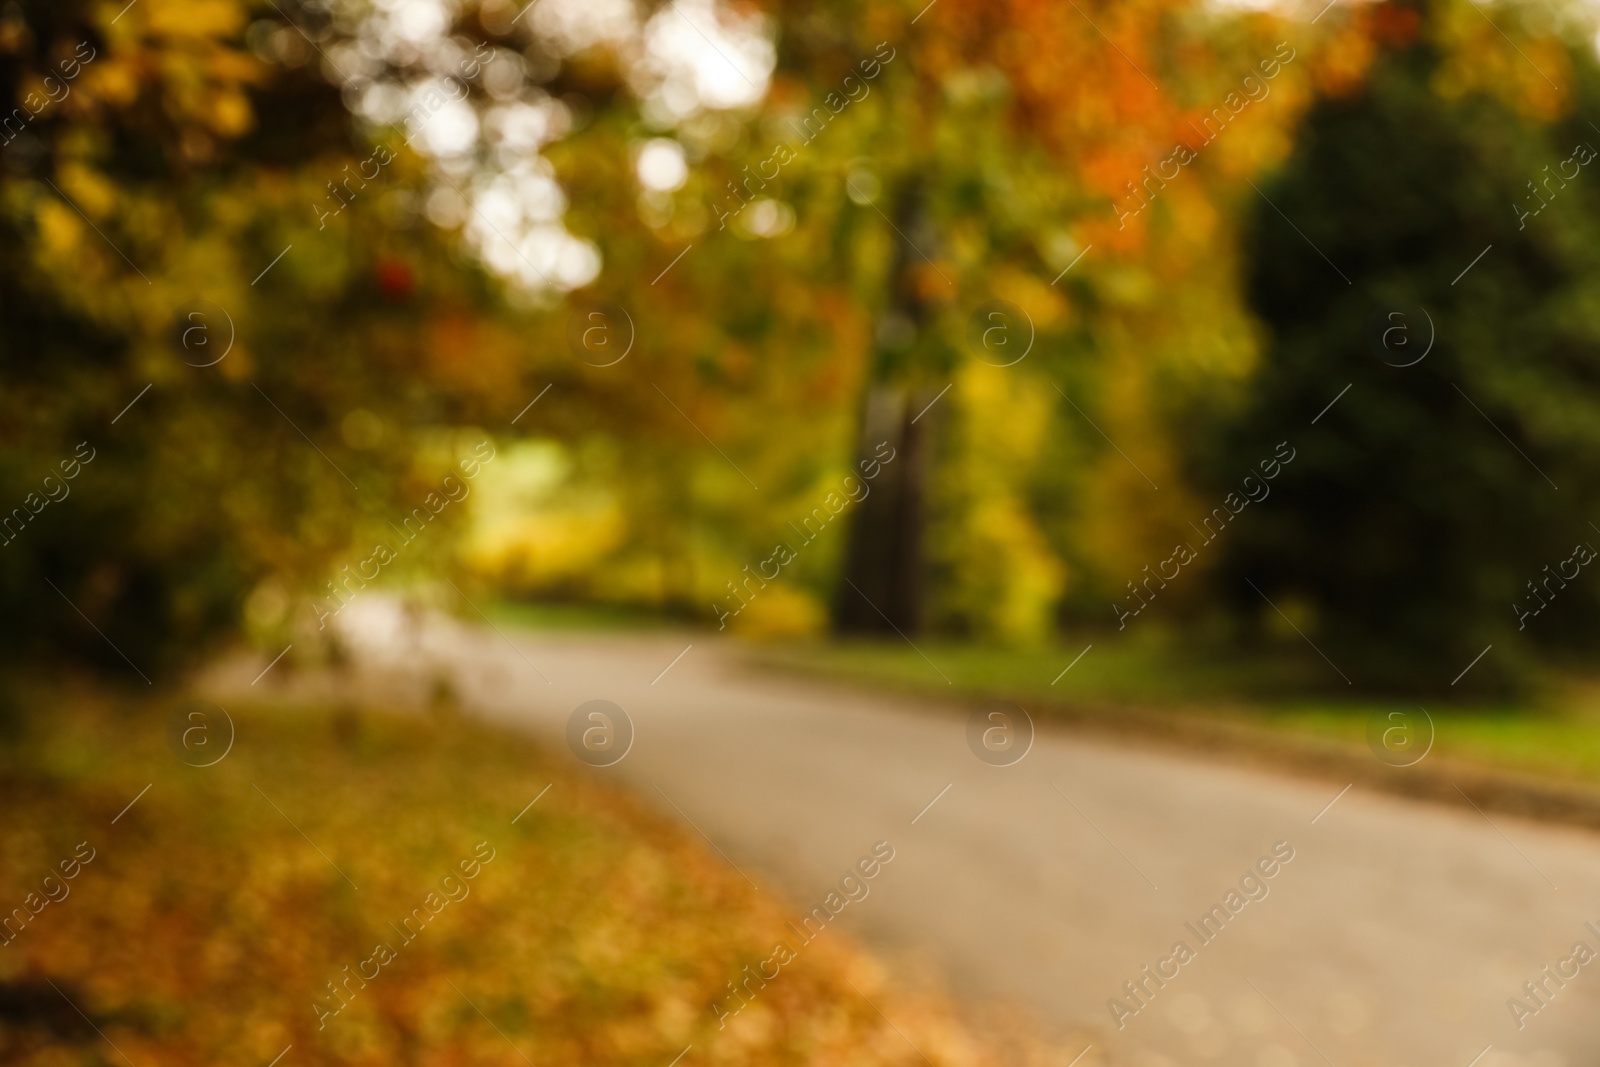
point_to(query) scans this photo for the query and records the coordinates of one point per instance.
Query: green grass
(1556, 736)
(543, 615)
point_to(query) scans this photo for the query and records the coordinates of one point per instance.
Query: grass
(581, 618)
(1556, 737)
(214, 911)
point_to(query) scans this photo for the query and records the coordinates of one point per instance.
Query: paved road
(1395, 935)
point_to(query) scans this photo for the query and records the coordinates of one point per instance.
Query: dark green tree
(1405, 534)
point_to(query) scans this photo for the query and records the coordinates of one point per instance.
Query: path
(1394, 936)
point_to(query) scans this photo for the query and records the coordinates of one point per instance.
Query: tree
(227, 373)
(1421, 518)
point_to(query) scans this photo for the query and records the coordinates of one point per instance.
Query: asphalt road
(1395, 936)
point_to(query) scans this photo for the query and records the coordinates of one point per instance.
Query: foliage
(1423, 509)
(777, 323)
(142, 213)
(206, 923)
(977, 162)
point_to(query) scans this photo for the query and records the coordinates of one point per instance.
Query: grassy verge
(1556, 738)
(203, 923)
(571, 618)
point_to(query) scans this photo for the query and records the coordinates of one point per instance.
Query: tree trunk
(882, 591)
(883, 587)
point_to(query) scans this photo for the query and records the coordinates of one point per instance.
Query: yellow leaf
(195, 18)
(231, 114)
(91, 192)
(60, 229)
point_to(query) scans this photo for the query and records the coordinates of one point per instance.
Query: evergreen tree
(1419, 507)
